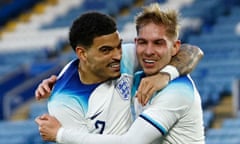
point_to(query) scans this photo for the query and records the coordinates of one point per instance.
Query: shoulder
(68, 67)
(129, 60)
(180, 90)
(182, 81)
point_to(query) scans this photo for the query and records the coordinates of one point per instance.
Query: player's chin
(150, 71)
(115, 74)
(114, 70)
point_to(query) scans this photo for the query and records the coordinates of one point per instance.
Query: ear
(81, 53)
(176, 47)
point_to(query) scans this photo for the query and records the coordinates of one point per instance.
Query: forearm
(140, 132)
(75, 136)
(187, 58)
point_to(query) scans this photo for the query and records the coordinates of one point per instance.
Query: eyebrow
(143, 39)
(106, 46)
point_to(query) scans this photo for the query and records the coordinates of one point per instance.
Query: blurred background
(34, 45)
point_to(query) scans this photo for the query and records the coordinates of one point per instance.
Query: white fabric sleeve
(67, 117)
(129, 59)
(141, 132)
(59, 135)
(171, 70)
(70, 136)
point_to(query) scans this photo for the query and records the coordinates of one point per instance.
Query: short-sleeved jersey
(175, 112)
(98, 108)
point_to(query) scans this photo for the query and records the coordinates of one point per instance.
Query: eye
(141, 41)
(160, 42)
(105, 49)
(119, 46)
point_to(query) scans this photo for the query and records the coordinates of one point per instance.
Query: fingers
(43, 127)
(148, 95)
(40, 119)
(45, 117)
(44, 88)
(53, 79)
(139, 93)
(144, 93)
(43, 131)
(48, 127)
(149, 85)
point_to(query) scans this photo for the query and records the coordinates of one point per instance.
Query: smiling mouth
(115, 66)
(148, 61)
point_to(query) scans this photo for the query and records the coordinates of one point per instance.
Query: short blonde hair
(153, 13)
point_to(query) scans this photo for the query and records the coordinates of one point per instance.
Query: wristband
(171, 70)
(59, 135)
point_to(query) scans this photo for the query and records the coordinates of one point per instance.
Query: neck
(86, 77)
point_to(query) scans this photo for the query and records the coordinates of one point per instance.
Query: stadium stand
(33, 45)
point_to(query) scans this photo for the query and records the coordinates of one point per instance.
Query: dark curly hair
(89, 26)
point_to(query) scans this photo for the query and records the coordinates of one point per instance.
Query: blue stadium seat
(14, 8)
(14, 140)
(37, 108)
(208, 117)
(231, 123)
(23, 131)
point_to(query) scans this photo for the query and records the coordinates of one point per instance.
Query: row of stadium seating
(229, 133)
(30, 54)
(12, 8)
(215, 73)
(221, 63)
(27, 58)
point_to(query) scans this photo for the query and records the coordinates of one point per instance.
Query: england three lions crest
(123, 87)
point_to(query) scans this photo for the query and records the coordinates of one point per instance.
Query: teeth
(114, 65)
(149, 61)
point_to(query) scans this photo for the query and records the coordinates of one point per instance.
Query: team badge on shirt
(123, 87)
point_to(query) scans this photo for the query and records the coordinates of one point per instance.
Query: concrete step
(222, 111)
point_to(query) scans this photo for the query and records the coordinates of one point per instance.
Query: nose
(149, 50)
(117, 54)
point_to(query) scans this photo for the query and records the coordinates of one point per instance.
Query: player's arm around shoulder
(187, 58)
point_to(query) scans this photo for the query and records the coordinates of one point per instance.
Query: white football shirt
(172, 116)
(102, 108)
